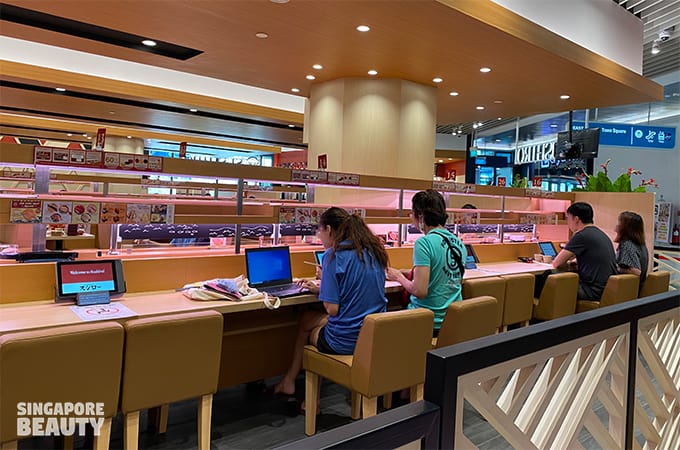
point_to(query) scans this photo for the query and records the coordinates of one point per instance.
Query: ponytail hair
(352, 228)
(429, 206)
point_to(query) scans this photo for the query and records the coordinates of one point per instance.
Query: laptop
(547, 249)
(471, 261)
(268, 270)
(318, 255)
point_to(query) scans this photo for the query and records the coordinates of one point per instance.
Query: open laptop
(268, 270)
(318, 255)
(547, 249)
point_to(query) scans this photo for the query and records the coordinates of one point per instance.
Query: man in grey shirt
(593, 250)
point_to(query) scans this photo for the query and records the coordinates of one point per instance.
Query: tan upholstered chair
(620, 288)
(389, 356)
(79, 363)
(519, 299)
(466, 320)
(558, 297)
(492, 286)
(655, 283)
(169, 359)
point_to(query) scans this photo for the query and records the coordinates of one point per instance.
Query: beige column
(382, 127)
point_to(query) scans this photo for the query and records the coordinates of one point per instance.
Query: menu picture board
(25, 211)
(162, 213)
(138, 213)
(96, 159)
(112, 213)
(662, 221)
(85, 212)
(57, 212)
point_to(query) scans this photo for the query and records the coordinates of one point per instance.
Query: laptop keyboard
(285, 290)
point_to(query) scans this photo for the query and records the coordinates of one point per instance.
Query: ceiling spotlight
(363, 28)
(295, 90)
(261, 35)
(500, 118)
(479, 124)
(60, 89)
(69, 134)
(453, 93)
(310, 77)
(655, 48)
(459, 131)
(317, 67)
(373, 72)
(440, 160)
(485, 70)
(437, 80)
(553, 125)
(564, 97)
(193, 110)
(290, 125)
(149, 43)
(479, 108)
(112, 112)
(474, 125)
(279, 1)
(84, 134)
(129, 137)
(498, 102)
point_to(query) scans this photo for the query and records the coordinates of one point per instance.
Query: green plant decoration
(519, 181)
(601, 182)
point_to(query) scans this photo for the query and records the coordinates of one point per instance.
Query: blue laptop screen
(267, 266)
(547, 248)
(319, 256)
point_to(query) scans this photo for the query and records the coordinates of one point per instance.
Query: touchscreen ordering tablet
(547, 249)
(77, 277)
(318, 254)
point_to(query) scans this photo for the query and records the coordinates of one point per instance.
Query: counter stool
(169, 359)
(655, 283)
(519, 299)
(492, 286)
(79, 363)
(466, 320)
(620, 288)
(389, 356)
(558, 297)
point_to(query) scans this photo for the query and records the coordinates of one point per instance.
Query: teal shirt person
(445, 284)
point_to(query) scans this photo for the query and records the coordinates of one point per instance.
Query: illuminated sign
(535, 152)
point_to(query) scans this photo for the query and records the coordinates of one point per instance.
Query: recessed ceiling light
(450, 159)
(279, 1)
(295, 90)
(500, 118)
(112, 112)
(475, 126)
(261, 35)
(437, 80)
(453, 93)
(84, 134)
(310, 77)
(363, 28)
(441, 160)
(60, 89)
(129, 137)
(485, 70)
(69, 134)
(149, 43)
(290, 125)
(553, 125)
(480, 108)
(317, 67)
(479, 124)
(89, 137)
(564, 97)
(372, 72)
(498, 140)
(193, 110)
(498, 102)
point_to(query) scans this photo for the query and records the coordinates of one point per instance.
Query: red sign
(101, 138)
(451, 175)
(537, 181)
(501, 182)
(182, 149)
(322, 161)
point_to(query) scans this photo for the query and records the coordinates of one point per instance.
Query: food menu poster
(96, 159)
(662, 221)
(322, 177)
(289, 214)
(25, 211)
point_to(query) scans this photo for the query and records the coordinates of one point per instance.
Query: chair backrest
(170, 358)
(79, 363)
(492, 286)
(390, 351)
(558, 297)
(519, 298)
(655, 283)
(620, 288)
(468, 319)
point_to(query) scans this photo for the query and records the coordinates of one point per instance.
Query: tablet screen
(547, 249)
(77, 277)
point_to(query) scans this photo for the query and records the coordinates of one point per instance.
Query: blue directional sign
(632, 135)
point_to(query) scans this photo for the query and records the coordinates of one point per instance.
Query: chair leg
(387, 400)
(204, 415)
(505, 328)
(10, 445)
(525, 323)
(416, 392)
(369, 406)
(101, 441)
(158, 417)
(311, 401)
(131, 431)
(68, 442)
(356, 405)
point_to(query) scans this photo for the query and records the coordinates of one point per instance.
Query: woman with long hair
(352, 286)
(631, 255)
(438, 259)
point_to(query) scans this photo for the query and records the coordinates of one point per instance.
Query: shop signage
(623, 135)
(501, 182)
(447, 186)
(534, 153)
(182, 149)
(101, 139)
(322, 162)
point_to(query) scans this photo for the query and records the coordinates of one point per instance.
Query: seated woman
(352, 286)
(438, 259)
(631, 255)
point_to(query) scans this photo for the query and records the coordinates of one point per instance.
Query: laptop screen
(319, 256)
(547, 249)
(268, 266)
